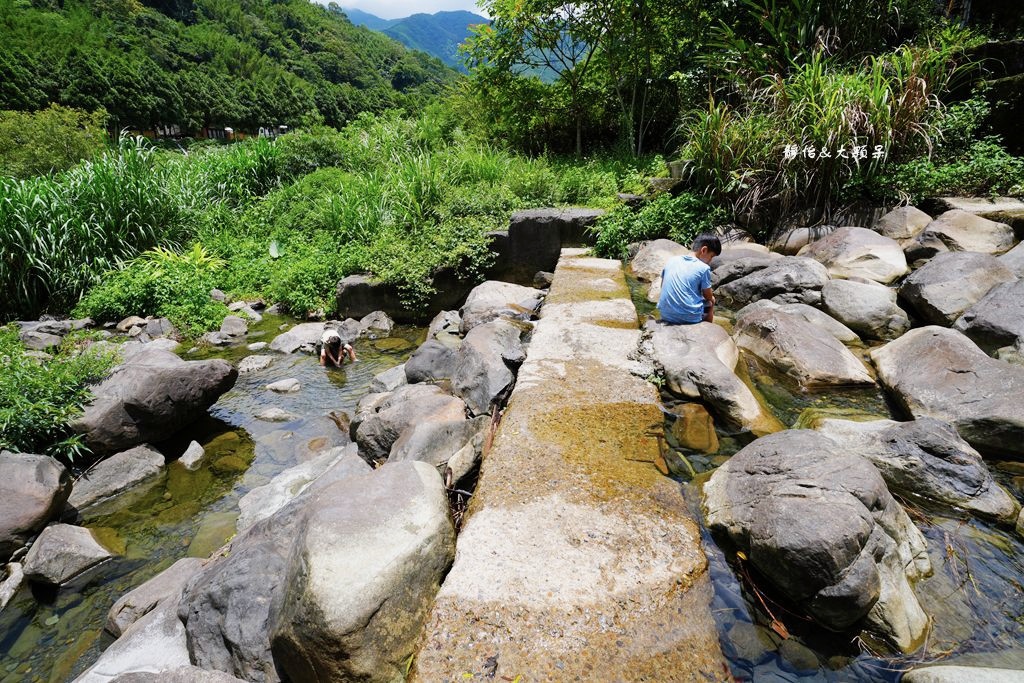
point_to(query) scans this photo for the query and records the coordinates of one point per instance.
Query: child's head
(706, 247)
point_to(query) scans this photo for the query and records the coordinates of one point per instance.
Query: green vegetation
(38, 399)
(48, 141)
(281, 219)
(679, 219)
(197, 63)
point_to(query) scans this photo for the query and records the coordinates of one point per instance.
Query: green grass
(399, 198)
(39, 398)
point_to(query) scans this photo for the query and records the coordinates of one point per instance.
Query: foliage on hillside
(48, 141)
(205, 62)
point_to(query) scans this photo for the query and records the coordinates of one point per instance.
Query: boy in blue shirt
(686, 297)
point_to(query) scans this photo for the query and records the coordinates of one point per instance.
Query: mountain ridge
(438, 34)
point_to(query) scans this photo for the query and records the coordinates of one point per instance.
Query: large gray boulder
(33, 490)
(926, 458)
(902, 224)
(115, 475)
(379, 424)
(698, 362)
(454, 444)
(150, 397)
(937, 372)
(997, 319)
(802, 351)
(154, 643)
(535, 239)
(789, 280)
(812, 315)
(263, 501)
(61, 553)
(376, 324)
(821, 526)
(389, 380)
(958, 230)
(651, 258)
(736, 251)
(492, 300)
(431, 362)
(1013, 260)
(858, 252)
(790, 242)
(228, 607)
(362, 578)
(486, 363)
(303, 337)
(949, 284)
(143, 599)
(867, 308)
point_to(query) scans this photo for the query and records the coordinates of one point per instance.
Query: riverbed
(54, 636)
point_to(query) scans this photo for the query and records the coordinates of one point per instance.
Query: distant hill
(438, 34)
(195, 64)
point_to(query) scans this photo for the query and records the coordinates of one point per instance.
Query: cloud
(394, 9)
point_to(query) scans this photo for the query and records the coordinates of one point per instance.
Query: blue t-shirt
(683, 282)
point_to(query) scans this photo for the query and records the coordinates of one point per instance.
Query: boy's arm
(709, 305)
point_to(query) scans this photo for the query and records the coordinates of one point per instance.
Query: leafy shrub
(164, 283)
(677, 218)
(50, 140)
(39, 398)
(57, 234)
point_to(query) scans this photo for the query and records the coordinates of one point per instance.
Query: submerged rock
(821, 526)
(927, 458)
(150, 397)
(115, 475)
(694, 428)
(254, 364)
(937, 372)
(61, 553)
(284, 386)
(33, 491)
(366, 566)
(859, 252)
(800, 350)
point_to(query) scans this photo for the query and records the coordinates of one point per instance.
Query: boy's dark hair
(708, 240)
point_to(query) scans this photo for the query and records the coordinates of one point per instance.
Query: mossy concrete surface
(579, 560)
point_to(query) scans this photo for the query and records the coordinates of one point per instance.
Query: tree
(555, 37)
(48, 141)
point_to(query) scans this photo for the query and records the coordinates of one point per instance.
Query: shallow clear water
(54, 637)
(975, 596)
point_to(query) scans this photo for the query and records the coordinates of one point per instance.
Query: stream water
(53, 636)
(975, 596)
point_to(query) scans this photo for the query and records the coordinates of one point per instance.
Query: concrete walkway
(579, 560)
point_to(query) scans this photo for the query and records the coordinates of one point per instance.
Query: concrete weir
(578, 560)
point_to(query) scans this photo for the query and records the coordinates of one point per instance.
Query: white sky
(393, 9)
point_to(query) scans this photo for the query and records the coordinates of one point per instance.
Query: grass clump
(38, 398)
(679, 219)
(163, 283)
